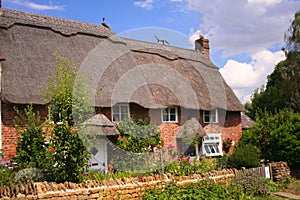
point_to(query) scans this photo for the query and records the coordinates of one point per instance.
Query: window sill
(175, 122)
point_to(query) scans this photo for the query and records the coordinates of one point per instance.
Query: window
(169, 114)
(120, 112)
(54, 114)
(210, 116)
(212, 145)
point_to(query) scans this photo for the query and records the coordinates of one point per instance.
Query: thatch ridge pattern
(10, 18)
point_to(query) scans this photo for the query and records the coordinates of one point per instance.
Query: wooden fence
(262, 171)
(277, 171)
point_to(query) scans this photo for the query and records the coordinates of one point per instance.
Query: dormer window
(120, 112)
(169, 115)
(210, 116)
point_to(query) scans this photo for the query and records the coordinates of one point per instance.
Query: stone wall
(125, 188)
(280, 171)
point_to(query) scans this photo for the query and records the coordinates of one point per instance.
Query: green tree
(32, 150)
(285, 141)
(283, 86)
(276, 135)
(69, 155)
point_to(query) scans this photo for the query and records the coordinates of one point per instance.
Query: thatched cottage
(165, 84)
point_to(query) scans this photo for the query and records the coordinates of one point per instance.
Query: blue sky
(245, 35)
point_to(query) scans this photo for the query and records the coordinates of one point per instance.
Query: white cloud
(177, 0)
(244, 26)
(36, 6)
(147, 4)
(243, 78)
(266, 2)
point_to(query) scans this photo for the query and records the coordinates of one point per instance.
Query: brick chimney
(202, 45)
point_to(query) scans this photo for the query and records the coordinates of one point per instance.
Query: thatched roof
(149, 74)
(100, 125)
(1, 57)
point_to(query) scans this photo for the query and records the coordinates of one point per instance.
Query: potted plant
(227, 143)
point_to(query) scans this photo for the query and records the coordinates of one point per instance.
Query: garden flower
(90, 164)
(184, 159)
(52, 149)
(84, 174)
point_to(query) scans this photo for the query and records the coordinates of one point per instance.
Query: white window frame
(51, 110)
(169, 115)
(212, 114)
(212, 145)
(119, 106)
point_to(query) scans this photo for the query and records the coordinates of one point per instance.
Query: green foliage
(202, 190)
(68, 155)
(244, 156)
(292, 36)
(31, 150)
(28, 175)
(285, 141)
(184, 166)
(252, 184)
(60, 89)
(68, 94)
(96, 175)
(273, 187)
(6, 172)
(222, 163)
(136, 144)
(277, 136)
(138, 137)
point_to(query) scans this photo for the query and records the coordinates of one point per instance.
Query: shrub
(138, 137)
(6, 173)
(28, 175)
(68, 156)
(222, 163)
(31, 149)
(206, 189)
(183, 166)
(244, 156)
(252, 184)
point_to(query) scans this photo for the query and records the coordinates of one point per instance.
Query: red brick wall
(229, 125)
(9, 133)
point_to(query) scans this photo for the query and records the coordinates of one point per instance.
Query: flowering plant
(6, 169)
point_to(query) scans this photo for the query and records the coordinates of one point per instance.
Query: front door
(99, 156)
